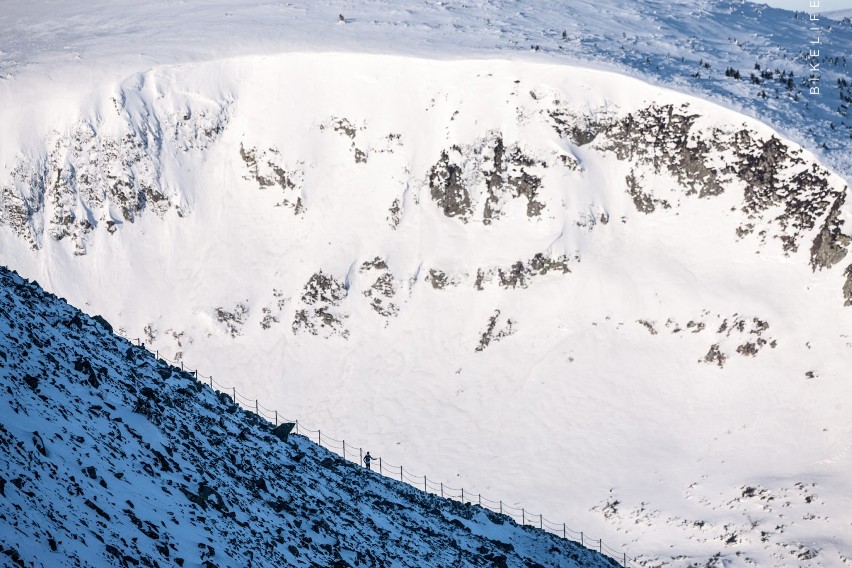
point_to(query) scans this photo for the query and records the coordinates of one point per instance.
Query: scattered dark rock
(491, 334)
(448, 189)
(85, 367)
(749, 349)
(715, 355)
(266, 170)
(233, 320)
(14, 556)
(97, 509)
(39, 444)
(31, 381)
(438, 279)
(323, 294)
(648, 325)
(148, 393)
(644, 202)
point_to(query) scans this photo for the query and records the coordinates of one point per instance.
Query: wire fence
(355, 454)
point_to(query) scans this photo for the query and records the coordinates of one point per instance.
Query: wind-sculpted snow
(113, 458)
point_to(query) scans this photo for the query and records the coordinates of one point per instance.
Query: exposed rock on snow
(266, 169)
(383, 289)
(831, 245)
(519, 274)
(321, 316)
(88, 179)
(495, 331)
(233, 320)
(456, 181)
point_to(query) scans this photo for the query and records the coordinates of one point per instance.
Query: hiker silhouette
(367, 459)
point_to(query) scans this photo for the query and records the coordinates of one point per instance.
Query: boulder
(282, 431)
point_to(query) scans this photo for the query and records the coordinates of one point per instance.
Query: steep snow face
(596, 298)
(113, 458)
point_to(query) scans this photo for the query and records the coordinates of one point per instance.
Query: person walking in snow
(367, 459)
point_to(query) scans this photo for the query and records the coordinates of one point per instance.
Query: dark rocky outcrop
(322, 297)
(830, 245)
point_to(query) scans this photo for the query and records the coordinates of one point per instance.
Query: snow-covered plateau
(600, 290)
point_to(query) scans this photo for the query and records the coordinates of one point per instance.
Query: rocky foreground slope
(112, 458)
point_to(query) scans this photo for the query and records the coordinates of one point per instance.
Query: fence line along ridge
(398, 473)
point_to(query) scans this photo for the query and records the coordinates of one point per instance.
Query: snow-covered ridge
(566, 277)
(112, 458)
(744, 55)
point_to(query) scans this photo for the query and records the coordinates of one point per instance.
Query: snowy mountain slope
(604, 300)
(839, 14)
(112, 458)
(747, 56)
